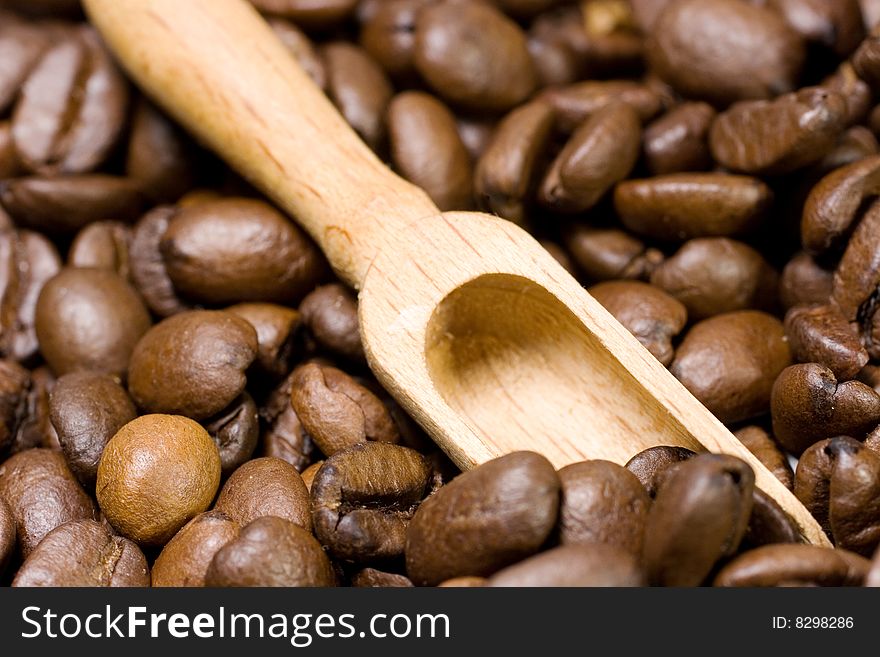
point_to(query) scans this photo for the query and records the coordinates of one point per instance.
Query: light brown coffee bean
(331, 314)
(794, 565)
(679, 140)
(681, 206)
(729, 362)
(651, 315)
(185, 558)
(821, 334)
(761, 444)
(265, 487)
(483, 520)
(592, 565)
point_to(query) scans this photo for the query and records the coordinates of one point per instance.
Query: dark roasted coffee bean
(761, 444)
(809, 404)
(812, 481)
(699, 516)
(277, 328)
(724, 50)
(271, 551)
(102, 245)
(804, 282)
(854, 496)
(359, 88)
(235, 430)
(609, 253)
(679, 140)
(427, 150)
(794, 565)
(148, 266)
(72, 108)
(49, 8)
(483, 520)
(185, 558)
(769, 523)
(336, 411)
(87, 409)
(573, 104)
(265, 487)
(372, 578)
(89, 319)
(284, 436)
(9, 164)
(27, 261)
(15, 383)
(35, 426)
(821, 334)
(857, 278)
(649, 464)
(331, 314)
(363, 499)
(238, 249)
(302, 49)
(193, 363)
(492, 72)
(590, 565)
(64, 204)
(42, 494)
(7, 535)
(84, 553)
(654, 317)
(601, 152)
(715, 275)
(772, 137)
(729, 362)
(157, 473)
(506, 172)
(681, 206)
(602, 502)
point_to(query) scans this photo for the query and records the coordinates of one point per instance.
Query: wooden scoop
(466, 320)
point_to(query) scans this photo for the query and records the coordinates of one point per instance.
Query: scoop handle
(218, 68)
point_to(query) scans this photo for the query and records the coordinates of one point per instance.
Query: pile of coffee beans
(184, 396)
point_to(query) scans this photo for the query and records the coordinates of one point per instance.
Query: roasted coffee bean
(265, 487)
(555, 62)
(856, 92)
(359, 88)
(715, 275)
(7, 535)
(15, 383)
(9, 164)
(302, 49)
(609, 253)
(27, 261)
(679, 140)
(475, 132)
(148, 266)
(72, 108)
(84, 553)
(772, 137)
(768, 523)
(87, 409)
(473, 56)
(193, 363)
(812, 481)
(309, 12)
(284, 436)
(506, 172)
(389, 35)
(699, 516)
(857, 278)
(89, 319)
(873, 577)
(271, 551)
(235, 430)
(364, 497)
(794, 565)
(159, 157)
(654, 317)
(336, 411)
(729, 362)
(602, 502)
(808, 404)
(34, 427)
(649, 464)
(833, 204)
(592, 564)
(309, 474)
(102, 245)
(821, 334)
(574, 103)
(42, 494)
(854, 496)
(185, 558)
(427, 150)
(331, 314)
(601, 152)
(724, 50)
(804, 282)
(238, 249)
(870, 375)
(866, 60)
(157, 473)
(63, 204)
(483, 520)
(761, 444)
(277, 328)
(372, 578)
(681, 206)
(855, 144)
(835, 24)
(22, 45)
(872, 442)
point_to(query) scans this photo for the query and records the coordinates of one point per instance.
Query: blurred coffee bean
(475, 133)
(793, 565)
(265, 487)
(389, 35)
(609, 253)
(102, 245)
(856, 92)
(681, 206)
(235, 430)
(309, 13)
(372, 578)
(302, 49)
(679, 140)
(9, 164)
(821, 334)
(835, 24)
(804, 282)
(592, 565)
(729, 362)
(185, 558)
(651, 315)
(21, 44)
(575, 103)
(762, 445)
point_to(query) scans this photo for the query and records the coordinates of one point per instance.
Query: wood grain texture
(466, 320)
